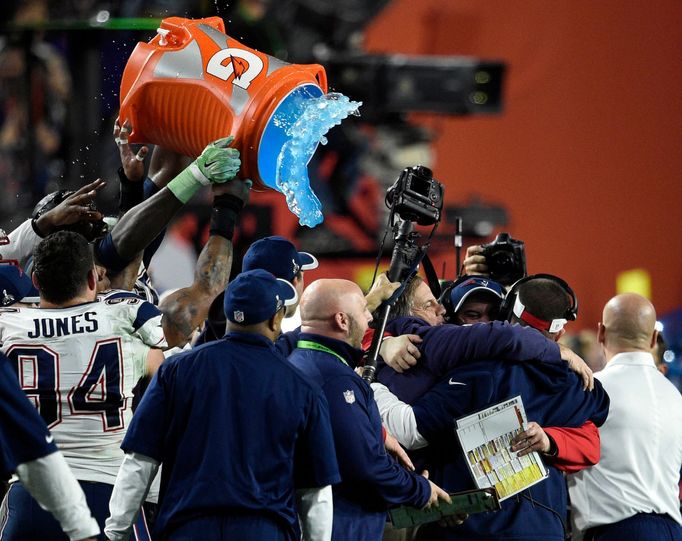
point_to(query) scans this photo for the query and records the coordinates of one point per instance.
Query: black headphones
(513, 304)
(445, 299)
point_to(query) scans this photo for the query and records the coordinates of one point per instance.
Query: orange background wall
(587, 154)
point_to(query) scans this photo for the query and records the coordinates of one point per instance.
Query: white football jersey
(79, 365)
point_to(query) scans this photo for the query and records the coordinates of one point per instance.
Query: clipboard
(486, 437)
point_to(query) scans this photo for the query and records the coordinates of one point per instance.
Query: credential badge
(349, 396)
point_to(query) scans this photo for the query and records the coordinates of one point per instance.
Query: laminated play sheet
(486, 437)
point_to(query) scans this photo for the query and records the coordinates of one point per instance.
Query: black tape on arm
(226, 209)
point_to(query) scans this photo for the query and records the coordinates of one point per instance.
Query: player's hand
(73, 209)
(534, 438)
(238, 188)
(474, 261)
(395, 449)
(219, 163)
(381, 290)
(576, 363)
(453, 520)
(401, 352)
(437, 493)
(132, 163)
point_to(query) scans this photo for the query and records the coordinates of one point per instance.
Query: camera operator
(503, 260)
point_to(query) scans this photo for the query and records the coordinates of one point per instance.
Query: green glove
(216, 164)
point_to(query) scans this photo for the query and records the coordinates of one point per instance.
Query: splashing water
(314, 117)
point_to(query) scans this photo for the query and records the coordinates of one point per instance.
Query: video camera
(416, 196)
(506, 259)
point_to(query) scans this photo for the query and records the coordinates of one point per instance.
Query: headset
(513, 305)
(444, 298)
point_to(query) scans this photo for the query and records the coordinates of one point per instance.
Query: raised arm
(186, 309)
(138, 227)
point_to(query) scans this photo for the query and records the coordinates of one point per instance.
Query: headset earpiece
(512, 299)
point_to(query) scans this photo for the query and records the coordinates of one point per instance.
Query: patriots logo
(349, 396)
(6, 298)
(239, 316)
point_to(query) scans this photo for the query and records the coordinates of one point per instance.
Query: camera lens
(502, 261)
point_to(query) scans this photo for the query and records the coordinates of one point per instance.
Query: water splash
(306, 126)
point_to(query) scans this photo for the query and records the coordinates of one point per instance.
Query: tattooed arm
(186, 309)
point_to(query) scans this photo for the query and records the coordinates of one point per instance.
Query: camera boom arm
(405, 259)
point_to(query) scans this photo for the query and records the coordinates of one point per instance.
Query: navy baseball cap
(255, 296)
(460, 292)
(16, 286)
(278, 256)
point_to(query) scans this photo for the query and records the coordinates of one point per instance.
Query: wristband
(131, 193)
(149, 188)
(553, 448)
(226, 209)
(187, 183)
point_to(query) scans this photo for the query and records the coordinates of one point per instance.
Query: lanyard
(307, 344)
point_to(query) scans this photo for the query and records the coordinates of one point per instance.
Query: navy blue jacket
(23, 434)
(552, 396)
(286, 342)
(237, 429)
(372, 480)
(446, 346)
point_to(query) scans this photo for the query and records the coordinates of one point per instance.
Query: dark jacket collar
(249, 338)
(349, 353)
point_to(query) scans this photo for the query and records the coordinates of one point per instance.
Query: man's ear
(342, 321)
(101, 272)
(34, 279)
(601, 333)
(654, 339)
(559, 334)
(275, 322)
(92, 279)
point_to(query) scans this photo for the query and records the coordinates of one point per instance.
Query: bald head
(628, 324)
(335, 308)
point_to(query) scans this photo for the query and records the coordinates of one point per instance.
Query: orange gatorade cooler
(192, 84)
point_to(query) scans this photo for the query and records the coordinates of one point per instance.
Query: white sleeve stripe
(51, 483)
(132, 485)
(398, 418)
(316, 513)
